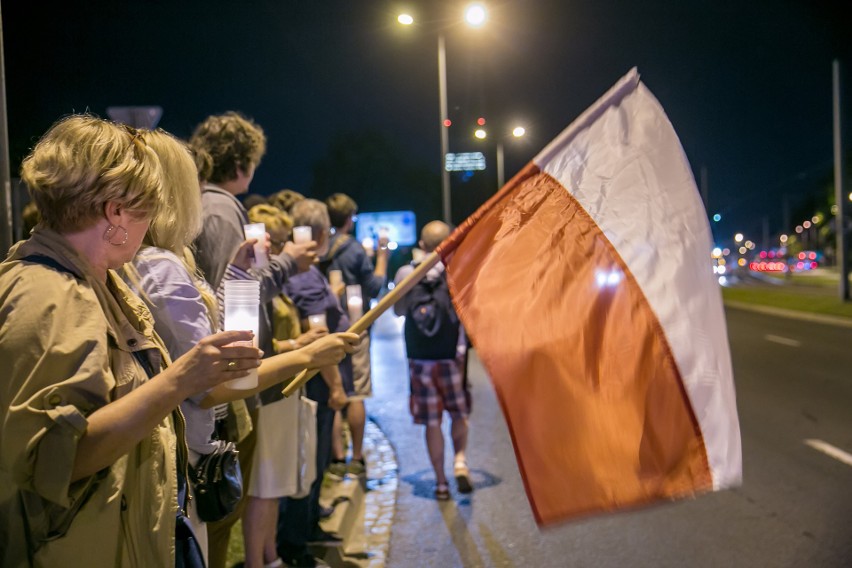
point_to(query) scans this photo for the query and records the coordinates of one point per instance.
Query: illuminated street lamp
(475, 15)
(517, 132)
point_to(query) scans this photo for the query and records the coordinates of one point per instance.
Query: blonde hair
(180, 220)
(83, 162)
(285, 199)
(225, 143)
(274, 219)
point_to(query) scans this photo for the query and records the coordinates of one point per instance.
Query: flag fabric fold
(586, 287)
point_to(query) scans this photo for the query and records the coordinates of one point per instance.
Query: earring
(110, 233)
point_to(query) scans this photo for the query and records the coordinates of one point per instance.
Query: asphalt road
(794, 383)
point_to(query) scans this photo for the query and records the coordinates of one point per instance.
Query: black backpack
(431, 323)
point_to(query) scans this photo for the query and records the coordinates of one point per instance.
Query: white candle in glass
(355, 302)
(257, 231)
(302, 234)
(317, 320)
(242, 312)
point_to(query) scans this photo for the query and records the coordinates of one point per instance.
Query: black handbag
(217, 483)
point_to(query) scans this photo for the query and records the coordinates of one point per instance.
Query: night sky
(747, 85)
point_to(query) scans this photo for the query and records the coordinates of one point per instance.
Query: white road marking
(783, 340)
(830, 450)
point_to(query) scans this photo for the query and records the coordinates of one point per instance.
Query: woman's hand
(245, 255)
(331, 349)
(215, 359)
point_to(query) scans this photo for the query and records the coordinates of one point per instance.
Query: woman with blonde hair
(184, 306)
(88, 472)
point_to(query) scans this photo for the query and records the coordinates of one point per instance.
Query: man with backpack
(436, 349)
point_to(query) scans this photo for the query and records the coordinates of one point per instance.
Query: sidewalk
(363, 507)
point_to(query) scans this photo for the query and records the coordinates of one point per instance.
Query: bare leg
(259, 520)
(356, 415)
(270, 552)
(338, 452)
(458, 430)
(435, 445)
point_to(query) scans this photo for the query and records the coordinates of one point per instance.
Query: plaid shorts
(437, 386)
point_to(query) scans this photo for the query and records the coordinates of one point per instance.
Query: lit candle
(355, 302)
(242, 312)
(257, 231)
(302, 234)
(316, 321)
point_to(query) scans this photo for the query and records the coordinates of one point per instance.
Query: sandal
(442, 492)
(462, 474)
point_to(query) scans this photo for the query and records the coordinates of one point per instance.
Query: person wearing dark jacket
(348, 256)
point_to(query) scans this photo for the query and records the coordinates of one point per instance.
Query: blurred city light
(717, 217)
(475, 15)
(723, 280)
(405, 19)
(480, 121)
(448, 122)
(806, 225)
(799, 228)
(741, 262)
(783, 238)
(518, 131)
(816, 219)
(717, 252)
(738, 237)
(480, 133)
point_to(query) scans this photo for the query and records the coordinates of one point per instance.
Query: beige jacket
(66, 349)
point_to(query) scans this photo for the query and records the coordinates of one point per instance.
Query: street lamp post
(517, 132)
(501, 169)
(445, 134)
(475, 16)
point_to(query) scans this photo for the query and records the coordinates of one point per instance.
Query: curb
(792, 314)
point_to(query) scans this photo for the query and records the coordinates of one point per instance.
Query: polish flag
(587, 289)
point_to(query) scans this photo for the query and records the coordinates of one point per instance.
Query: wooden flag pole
(372, 315)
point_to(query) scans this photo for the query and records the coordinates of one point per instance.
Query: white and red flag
(587, 289)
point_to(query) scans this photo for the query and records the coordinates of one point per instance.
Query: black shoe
(295, 555)
(326, 512)
(303, 560)
(321, 538)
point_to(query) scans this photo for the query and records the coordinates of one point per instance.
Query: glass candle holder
(302, 234)
(317, 320)
(257, 231)
(242, 312)
(354, 302)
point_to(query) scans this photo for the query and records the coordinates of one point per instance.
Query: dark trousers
(298, 518)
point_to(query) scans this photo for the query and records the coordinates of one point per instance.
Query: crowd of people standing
(111, 314)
